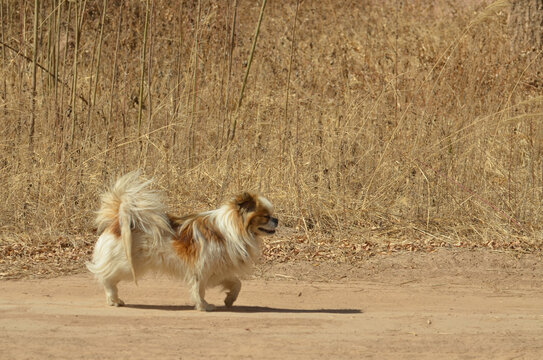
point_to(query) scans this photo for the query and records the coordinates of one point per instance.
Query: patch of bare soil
(453, 304)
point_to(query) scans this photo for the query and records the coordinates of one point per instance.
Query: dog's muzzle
(270, 226)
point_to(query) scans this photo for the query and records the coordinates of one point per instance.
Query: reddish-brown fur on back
(207, 230)
(183, 240)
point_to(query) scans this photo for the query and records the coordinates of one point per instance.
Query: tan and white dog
(212, 248)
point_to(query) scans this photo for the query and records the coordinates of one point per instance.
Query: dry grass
(366, 123)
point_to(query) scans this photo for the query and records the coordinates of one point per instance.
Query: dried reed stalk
(229, 72)
(2, 38)
(99, 52)
(74, 80)
(191, 144)
(142, 73)
(34, 68)
(232, 131)
(291, 59)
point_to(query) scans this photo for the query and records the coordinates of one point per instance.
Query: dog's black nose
(274, 221)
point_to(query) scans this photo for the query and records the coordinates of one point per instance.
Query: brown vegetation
(363, 122)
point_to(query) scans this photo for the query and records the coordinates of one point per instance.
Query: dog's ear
(246, 201)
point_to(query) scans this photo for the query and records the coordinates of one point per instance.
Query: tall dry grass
(390, 120)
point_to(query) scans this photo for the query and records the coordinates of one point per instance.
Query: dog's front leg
(198, 290)
(232, 286)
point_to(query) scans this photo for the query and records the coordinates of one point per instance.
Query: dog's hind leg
(232, 286)
(112, 293)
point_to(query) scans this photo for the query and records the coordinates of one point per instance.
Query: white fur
(147, 244)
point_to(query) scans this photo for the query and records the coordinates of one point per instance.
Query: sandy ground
(447, 305)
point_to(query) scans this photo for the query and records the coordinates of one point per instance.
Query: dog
(212, 248)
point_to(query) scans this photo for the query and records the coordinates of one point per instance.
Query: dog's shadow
(247, 309)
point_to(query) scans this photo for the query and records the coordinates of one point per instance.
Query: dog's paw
(229, 300)
(205, 307)
(115, 302)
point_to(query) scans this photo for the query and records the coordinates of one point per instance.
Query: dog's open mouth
(267, 231)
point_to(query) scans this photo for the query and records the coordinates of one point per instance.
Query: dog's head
(256, 213)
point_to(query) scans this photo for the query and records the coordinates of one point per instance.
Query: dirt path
(408, 306)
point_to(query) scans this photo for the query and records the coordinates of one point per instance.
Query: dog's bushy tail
(135, 206)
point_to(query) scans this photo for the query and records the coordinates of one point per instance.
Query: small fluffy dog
(207, 249)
